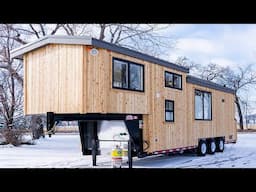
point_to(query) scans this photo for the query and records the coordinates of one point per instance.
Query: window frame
(128, 74)
(202, 92)
(173, 74)
(165, 110)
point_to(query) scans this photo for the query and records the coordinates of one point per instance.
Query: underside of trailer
(89, 130)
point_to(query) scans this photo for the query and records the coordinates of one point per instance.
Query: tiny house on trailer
(88, 80)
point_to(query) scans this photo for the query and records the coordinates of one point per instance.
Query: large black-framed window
(173, 80)
(169, 110)
(127, 75)
(203, 105)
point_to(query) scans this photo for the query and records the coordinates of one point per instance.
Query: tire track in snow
(219, 162)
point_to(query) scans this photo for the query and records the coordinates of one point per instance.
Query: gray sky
(224, 44)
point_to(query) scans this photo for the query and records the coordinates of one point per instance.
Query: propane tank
(125, 152)
(116, 155)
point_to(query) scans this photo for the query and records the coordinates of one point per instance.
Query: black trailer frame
(132, 122)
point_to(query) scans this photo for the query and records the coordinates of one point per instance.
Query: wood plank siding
(54, 79)
(223, 116)
(68, 79)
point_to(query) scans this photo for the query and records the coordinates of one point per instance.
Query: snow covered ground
(63, 151)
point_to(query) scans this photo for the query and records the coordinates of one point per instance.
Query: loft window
(173, 80)
(203, 105)
(169, 111)
(128, 75)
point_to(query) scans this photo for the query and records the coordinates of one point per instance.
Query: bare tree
(10, 89)
(239, 80)
(211, 71)
(146, 38)
(247, 108)
(7, 85)
(10, 108)
(7, 99)
(186, 62)
(8, 42)
(11, 95)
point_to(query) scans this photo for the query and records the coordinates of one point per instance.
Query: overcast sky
(224, 44)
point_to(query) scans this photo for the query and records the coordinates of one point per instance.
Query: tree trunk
(241, 122)
(102, 31)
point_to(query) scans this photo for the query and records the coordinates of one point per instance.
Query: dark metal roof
(209, 84)
(136, 54)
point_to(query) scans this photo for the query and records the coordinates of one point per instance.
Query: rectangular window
(173, 80)
(203, 105)
(169, 111)
(128, 75)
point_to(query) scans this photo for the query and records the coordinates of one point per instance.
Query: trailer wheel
(211, 146)
(202, 148)
(220, 145)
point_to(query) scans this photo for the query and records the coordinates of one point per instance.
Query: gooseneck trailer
(87, 80)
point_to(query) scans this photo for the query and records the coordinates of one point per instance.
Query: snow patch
(64, 151)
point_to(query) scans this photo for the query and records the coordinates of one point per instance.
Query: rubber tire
(218, 149)
(209, 146)
(199, 148)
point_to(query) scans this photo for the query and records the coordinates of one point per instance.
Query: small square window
(173, 80)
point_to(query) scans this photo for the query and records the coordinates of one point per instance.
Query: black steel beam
(81, 132)
(94, 143)
(94, 152)
(53, 117)
(91, 116)
(135, 134)
(50, 120)
(85, 138)
(130, 153)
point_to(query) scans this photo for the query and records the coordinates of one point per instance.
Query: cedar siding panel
(65, 78)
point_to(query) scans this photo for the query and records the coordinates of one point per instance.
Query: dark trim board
(52, 117)
(209, 84)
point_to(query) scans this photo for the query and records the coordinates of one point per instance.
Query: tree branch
(35, 32)
(42, 29)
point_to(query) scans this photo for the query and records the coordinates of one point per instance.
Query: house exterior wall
(69, 79)
(53, 79)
